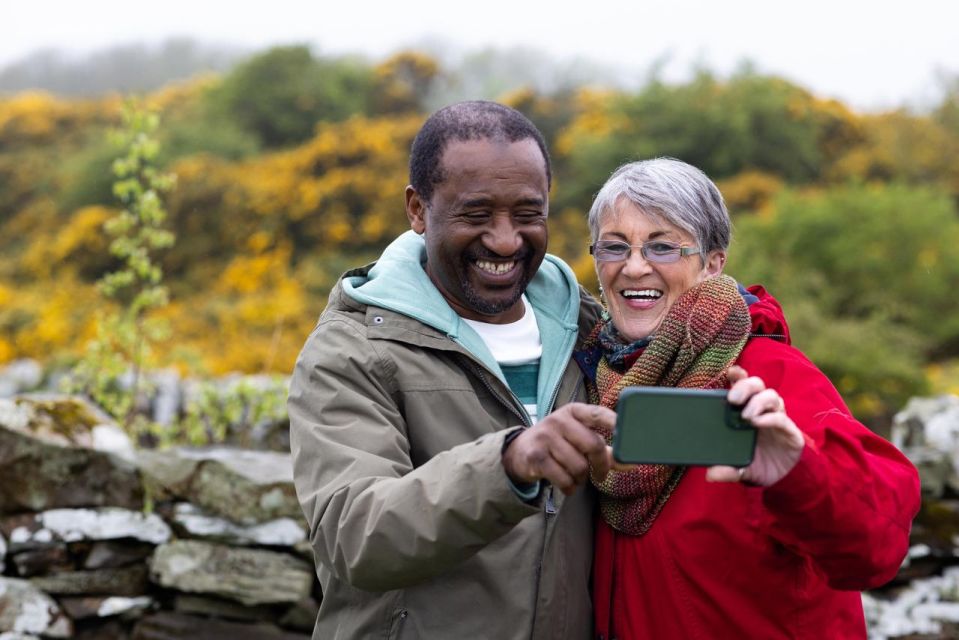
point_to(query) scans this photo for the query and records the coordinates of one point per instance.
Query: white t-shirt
(517, 349)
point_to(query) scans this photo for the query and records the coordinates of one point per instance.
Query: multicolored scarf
(701, 336)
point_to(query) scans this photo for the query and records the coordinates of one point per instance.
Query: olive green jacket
(398, 415)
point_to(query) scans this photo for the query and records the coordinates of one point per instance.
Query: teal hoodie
(398, 282)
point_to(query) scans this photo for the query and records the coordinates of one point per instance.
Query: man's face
(485, 226)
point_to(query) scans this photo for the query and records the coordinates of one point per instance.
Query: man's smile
(495, 268)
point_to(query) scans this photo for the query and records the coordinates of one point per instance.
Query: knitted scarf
(701, 336)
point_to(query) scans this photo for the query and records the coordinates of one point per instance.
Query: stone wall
(98, 540)
(923, 601)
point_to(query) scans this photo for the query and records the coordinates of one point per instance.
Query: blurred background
(831, 128)
(181, 183)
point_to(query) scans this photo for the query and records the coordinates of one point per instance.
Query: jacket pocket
(398, 618)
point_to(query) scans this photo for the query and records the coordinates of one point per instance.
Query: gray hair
(673, 191)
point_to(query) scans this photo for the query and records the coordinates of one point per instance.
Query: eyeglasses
(657, 251)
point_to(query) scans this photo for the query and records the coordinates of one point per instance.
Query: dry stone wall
(99, 540)
(102, 541)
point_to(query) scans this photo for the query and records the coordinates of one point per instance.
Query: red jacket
(787, 561)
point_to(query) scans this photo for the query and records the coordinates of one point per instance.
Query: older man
(434, 408)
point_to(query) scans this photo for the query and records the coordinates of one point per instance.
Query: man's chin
(493, 305)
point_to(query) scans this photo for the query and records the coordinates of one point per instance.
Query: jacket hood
(766, 314)
(398, 282)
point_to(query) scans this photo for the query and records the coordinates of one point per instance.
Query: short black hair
(471, 120)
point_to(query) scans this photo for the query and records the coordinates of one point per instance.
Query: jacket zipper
(510, 403)
(551, 509)
(552, 398)
(549, 512)
(774, 336)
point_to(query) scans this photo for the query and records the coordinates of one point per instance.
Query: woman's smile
(641, 298)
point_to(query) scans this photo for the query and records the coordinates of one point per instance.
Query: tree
(867, 275)
(748, 123)
(403, 82)
(280, 95)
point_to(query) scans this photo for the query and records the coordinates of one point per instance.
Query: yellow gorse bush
(262, 235)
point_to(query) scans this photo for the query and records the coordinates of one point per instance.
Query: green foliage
(551, 113)
(86, 175)
(202, 131)
(137, 230)
(868, 274)
(876, 364)
(215, 413)
(750, 122)
(126, 334)
(864, 251)
(402, 83)
(947, 113)
(280, 95)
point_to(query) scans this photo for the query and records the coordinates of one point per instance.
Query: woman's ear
(715, 262)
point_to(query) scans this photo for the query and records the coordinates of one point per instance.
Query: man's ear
(415, 210)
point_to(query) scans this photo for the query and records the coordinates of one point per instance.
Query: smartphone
(666, 425)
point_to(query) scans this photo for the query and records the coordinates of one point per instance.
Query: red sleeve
(849, 502)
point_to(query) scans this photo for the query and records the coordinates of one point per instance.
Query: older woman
(780, 548)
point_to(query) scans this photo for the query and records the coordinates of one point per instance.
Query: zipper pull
(550, 504)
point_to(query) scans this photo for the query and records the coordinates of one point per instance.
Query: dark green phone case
(681, 426)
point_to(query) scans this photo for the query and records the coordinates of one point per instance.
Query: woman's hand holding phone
(779, 442)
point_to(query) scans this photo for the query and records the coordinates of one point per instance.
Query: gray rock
(24, 534)
(167, 398)
(19, 376)
(284, 532)
(123, 581)
(110, 554)
(83, 608)
(49, 459)
(115, 628)
(301, 616)
(936, 470)
(106, 523)
(249, 576)
(166, 475)
(244, 486)
(110, 438)
(220, 608)
(49, 528)
(3, 553)
(928, 422)
(43, 561)
(27, 610)
(921, 608)
(176, 626)
(305, 550)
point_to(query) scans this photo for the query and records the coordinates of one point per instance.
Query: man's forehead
(465, 156)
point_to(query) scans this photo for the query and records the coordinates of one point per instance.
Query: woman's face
(639, 293)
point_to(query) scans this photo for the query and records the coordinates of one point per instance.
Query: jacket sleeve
(849, 502)
(376, 522)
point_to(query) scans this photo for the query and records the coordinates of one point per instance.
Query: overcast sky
(872, 55)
